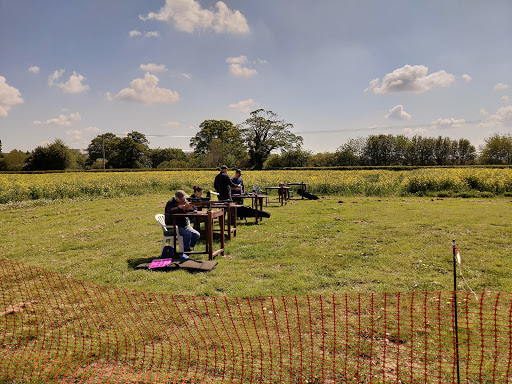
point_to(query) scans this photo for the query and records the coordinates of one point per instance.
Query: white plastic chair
(168, 233)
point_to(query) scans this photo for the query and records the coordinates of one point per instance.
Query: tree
(288, 159)
(220, 141)
(106, 143)
(131, 151)
(497, 149)
(13, 161)
(324, 159)
(265, 132)
(159, 155)
(420, 151)
(351, 152)
(54, 156)
(465, 152)
(385, 150)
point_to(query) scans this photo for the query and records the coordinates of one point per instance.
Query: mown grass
(332, 245)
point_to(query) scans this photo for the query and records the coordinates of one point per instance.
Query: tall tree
(351, 152)
(497, 149)
(159, 155)
(221, 143)
(132, 151)
(265, 132)
(107, 144)
(385, 150)
(465, 152)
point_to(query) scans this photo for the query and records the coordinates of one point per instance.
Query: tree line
(263, 141)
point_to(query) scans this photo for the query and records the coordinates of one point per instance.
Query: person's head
(198, 191)
(238, 173)
(180, 195)
(224, 169)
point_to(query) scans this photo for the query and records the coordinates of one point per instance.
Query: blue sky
(335, 69)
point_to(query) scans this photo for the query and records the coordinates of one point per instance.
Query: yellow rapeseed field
(450, 181)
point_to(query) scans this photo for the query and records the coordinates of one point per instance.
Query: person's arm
(233, 185)
(173, 207)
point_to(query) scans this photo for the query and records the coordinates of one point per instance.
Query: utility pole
(103, 150)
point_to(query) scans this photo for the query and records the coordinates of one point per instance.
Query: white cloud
(73, 85)
(150, 67)
(245, 105)
(466, 78)
(412, 79)
(451, 122)
(186, 76)
(9, 96)
(151, 34)
(398, 113)
(74, 132)
(92, 129)
(503, 115)
(483, 112)
(237, 60)
(236, 68)
(500, 87)
(34, 69)
(188, 16)
(135, 33)
(238, 71)
(414, 131)
(108, 96)
(505, 98)
(171, 124)
(62, 120)
(54, 77)
(146, 91)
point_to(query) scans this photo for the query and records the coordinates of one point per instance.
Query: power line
(412, 126)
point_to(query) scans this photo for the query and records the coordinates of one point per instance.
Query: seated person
(179, 204)
(197, 196)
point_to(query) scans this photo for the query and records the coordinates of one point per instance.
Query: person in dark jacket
(179, 204)
(239, 181)
(223, 184)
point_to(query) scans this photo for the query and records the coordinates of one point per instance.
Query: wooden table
(230, 208)
(283, 191)
(208, 217)
(302, 184)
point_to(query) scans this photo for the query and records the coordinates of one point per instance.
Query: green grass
(331, 245)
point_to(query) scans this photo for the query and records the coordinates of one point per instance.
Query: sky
(334, 69)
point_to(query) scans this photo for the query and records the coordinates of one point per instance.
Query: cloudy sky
(335, 69)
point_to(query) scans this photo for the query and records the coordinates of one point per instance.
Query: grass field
(300, 260)
(335, 244)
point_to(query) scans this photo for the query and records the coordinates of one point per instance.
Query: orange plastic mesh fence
(55, 329)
